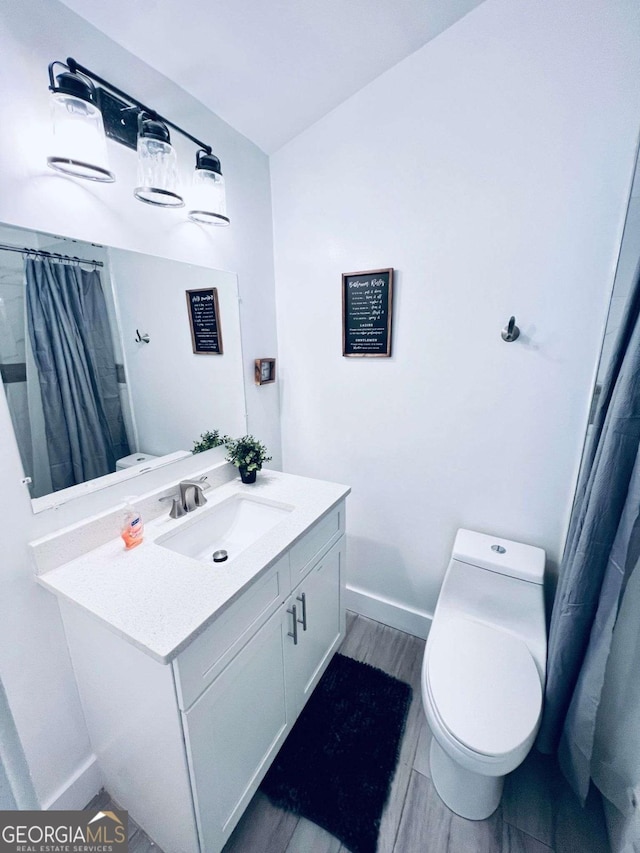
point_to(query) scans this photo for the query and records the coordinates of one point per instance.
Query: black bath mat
(337, 765)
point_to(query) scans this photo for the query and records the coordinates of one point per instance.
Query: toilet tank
(515, 559)
(500, 589)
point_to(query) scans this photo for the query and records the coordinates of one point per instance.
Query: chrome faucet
(191, 493)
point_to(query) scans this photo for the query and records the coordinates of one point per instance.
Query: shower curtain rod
(5, 247)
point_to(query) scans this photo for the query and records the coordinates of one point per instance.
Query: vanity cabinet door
(233, 731)
(319, 626)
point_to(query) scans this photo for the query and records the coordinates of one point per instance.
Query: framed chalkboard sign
(367, 302)
(204, 317)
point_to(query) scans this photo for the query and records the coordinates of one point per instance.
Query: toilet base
(468, 794)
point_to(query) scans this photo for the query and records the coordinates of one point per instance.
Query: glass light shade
(79, 143)
(157, 173)
(207, 200)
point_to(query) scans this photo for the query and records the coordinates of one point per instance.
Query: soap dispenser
(132, 527)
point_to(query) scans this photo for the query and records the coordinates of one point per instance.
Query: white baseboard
(78, 789)
(392, 613)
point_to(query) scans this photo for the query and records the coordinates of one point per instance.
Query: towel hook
(510, 332)
(142, 339)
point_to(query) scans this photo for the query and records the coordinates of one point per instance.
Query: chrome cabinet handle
(293, 611)
(303, 621)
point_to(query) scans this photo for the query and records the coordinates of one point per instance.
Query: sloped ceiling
(271, 69)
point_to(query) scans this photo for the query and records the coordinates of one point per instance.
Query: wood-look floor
(538, 813)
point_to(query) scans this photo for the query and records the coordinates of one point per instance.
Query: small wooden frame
(204, 318)
(265, 371)
(367, 304)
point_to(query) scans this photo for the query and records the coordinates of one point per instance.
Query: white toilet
(133, 459)
(484, 669)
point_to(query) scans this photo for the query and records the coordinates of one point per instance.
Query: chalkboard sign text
(367, 299)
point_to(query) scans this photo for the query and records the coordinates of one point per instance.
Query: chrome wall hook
(142, 339)
(510, 332)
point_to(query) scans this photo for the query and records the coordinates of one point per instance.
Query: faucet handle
(177, 510)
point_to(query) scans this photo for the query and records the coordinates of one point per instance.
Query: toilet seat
(484, 686)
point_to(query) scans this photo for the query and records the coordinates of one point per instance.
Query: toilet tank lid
(514, 559)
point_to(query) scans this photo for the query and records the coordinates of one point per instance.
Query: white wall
(34, 664)
(491, 169)
(177, 395)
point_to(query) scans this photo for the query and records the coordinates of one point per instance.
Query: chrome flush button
(499, 549)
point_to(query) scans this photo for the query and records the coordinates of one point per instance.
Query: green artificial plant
(209, 440)
(247, 453)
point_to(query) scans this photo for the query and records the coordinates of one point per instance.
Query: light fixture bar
(86, 108)
(75, 66)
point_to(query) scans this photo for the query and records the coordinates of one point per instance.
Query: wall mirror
(98, 363)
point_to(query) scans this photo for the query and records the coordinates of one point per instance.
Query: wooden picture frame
(204, 319)
(367, 311)
(265, 371)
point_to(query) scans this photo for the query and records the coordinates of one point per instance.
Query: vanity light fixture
(157, 165)
(79, 144)
(86, 109)
(207, 200)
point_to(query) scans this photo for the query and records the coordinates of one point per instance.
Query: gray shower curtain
(603, 547)
(71, 341)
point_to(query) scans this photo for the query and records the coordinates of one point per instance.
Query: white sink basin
(230, 526)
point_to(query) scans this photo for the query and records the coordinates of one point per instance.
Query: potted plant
(208, 440)
(247, 454)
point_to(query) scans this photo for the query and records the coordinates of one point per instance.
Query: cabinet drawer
(208, 654)
(315, 542)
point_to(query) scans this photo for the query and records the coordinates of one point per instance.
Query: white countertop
(160, 600)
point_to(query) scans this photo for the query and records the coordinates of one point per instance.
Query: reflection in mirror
(97, 361)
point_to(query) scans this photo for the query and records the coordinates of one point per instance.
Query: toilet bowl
(483, 669)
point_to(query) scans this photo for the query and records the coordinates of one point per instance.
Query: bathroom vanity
(192, 673)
